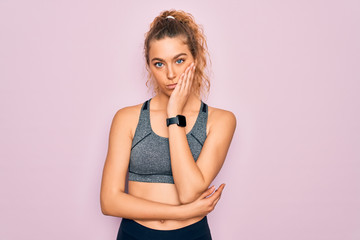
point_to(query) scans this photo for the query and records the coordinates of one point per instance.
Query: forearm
(187, 176)
(127, 206)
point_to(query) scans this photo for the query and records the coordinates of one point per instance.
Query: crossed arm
(116, 202)
(191, 178)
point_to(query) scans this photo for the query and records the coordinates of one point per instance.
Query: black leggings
(131, 230)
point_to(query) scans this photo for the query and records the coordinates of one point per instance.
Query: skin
(161, 205)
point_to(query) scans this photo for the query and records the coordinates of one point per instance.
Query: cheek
(182, 68)
(158, 74)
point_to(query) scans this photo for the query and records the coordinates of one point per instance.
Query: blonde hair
(181, 23)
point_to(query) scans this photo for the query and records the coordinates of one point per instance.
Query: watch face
(182, 121)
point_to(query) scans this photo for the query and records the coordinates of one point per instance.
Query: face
(168, 59)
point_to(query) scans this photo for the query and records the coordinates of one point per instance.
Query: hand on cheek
(181, 92)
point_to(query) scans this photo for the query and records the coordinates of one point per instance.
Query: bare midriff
(162, 193)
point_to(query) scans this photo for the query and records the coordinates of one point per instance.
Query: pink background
(289, 70)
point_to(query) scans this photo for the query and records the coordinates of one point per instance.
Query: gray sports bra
(150, 154)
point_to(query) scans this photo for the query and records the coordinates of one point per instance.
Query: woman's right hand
(204, 204)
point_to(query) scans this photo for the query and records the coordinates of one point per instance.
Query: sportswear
(150, 154)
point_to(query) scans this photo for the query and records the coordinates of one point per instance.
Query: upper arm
(118, 155)
(216, 145)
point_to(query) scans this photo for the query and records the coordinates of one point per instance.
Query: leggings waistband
(137, 231)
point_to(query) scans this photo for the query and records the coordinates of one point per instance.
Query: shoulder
(221, 119)
(127, 118)
(128, 112)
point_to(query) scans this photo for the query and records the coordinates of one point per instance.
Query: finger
(193, 73)
(220, 188)
(208, 192)
(186, 73)
(186, 79)
(218, 196)
(212, 195)
(180, 82)
(218, 191)
(215, 202)
(189, 78)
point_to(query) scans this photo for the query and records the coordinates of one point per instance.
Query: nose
(171, 74)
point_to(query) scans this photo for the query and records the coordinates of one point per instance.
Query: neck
(161, 100)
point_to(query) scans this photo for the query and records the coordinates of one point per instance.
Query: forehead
(168, 47)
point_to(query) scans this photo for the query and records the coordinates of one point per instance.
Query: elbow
(105, 211)
(186, 201)
(189, 195)
(188, 198)
(109, 204)
(104, 208)
(106, 204)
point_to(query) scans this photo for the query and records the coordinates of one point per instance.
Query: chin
(167, 92)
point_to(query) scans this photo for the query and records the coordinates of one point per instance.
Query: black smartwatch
(180, 120)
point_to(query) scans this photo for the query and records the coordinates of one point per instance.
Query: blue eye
(182, 60)
(158, 64)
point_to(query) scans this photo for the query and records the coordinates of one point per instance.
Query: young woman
(172, 146)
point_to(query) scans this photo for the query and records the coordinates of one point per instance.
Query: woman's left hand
(181, 92)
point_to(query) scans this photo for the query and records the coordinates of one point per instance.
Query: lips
(171, 86)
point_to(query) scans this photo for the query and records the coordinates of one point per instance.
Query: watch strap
(180, 120)
(172, 120)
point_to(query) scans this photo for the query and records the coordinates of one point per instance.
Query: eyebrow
(176, 56)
